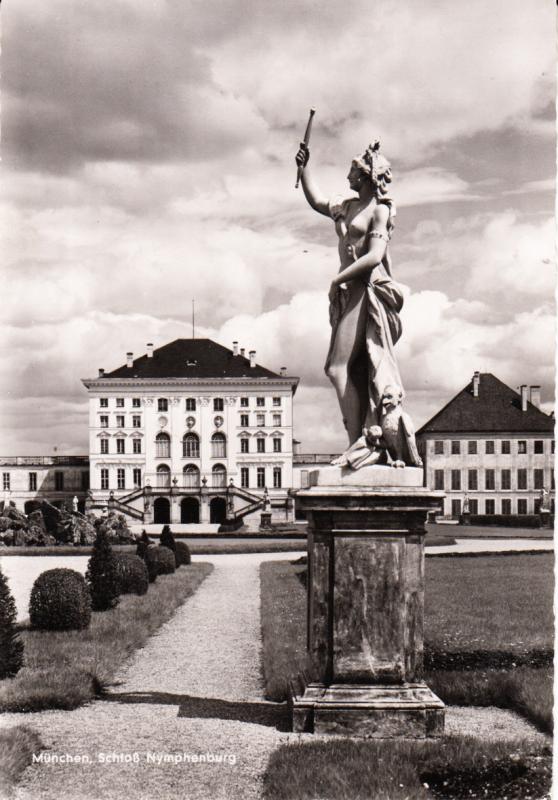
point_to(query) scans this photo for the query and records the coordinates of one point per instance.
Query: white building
(191, 431)
(57, 479)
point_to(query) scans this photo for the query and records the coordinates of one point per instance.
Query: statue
(75, 502)
(544, 500)
(365, 303)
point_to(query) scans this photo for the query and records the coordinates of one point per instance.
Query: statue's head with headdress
(375, 166)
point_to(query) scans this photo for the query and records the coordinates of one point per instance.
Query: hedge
(60, 601)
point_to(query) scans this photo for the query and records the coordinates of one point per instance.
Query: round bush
(60, 601)
(182, 554)
(133, 577)
(160, 561)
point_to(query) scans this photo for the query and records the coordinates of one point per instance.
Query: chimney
(252, 358)
(476, 383)
(535, 396)
(129, 360)
(150, 350)
(523, 390)
(235, 348)
(101, 372)
(242, 351)
(283, 371)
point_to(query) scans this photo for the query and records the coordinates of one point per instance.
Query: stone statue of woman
(364, 299)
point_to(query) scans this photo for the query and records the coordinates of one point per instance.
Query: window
(538, 447)
(104, 447)
(219, 474)
(120, 446)
(455, 447)
(277, 420)
(538, 478)
(474, 506)
(260, 477)
(260, 402)
(119, 402)
(136, 402)
(489, 480)
(277, 445)
(162, 445)
(244, 477)
(191, 476)
(163, 476)
(260, 445)
(506, 447)
(439, 447)
(218, 445)
(260, 420)
(472, 447)
(472, 480)
(522, 446)
(438, 478)
(190, 446)
(489, 447)
(104, 421)
(521, 478)
(277, 477)
(244, 421)
(218, 404)
(190, 404)
(119, 421)
(136, 421)
(245, 445)
(456, 508)
(244, 402)
(32, 481)
(552, 446)
(103, 402)
(104, 479)
(522, 506)
(136, 446)
(552, 479)
(506, 478)
(506, 507)
(162, 404)
(84, 481)
(59, 481)
(136, 478)
(120, 478)
(490, 506)
(456, 479)
(276, 401)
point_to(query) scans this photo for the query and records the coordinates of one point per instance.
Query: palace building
(191, 432)
(491, 446)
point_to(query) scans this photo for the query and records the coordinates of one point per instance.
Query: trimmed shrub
(60, 601)
(160, 561)
(133, 577)
(102, 574)
(152, 563)
(507, 520)
(167, 539)
(182, 554)
(11, 646)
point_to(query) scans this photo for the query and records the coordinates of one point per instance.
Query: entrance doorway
(161, 511)
(189, 510)
(218, 510)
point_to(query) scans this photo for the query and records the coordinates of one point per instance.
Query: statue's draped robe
(384, 300)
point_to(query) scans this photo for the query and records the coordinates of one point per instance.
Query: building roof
(191, 358)
(497, 408)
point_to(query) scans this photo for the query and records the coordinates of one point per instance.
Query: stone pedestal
(365, 605)
(544, 516)
(265, 521)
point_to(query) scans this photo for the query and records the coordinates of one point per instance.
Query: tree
(167, 539)
(11, 646)
(102, 573)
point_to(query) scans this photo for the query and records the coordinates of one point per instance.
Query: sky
(148, 159)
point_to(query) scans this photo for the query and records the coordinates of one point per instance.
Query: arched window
(163, 476)
(162, 445)
(191, 476)
(219, 476)
(218, 445)
(190, 445)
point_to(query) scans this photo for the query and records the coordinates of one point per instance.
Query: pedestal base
(380, 712)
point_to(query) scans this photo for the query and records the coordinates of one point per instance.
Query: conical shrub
(102, 574)
(11, 646)
(167, 539)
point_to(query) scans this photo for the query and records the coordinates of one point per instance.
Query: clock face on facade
(190, 422)
(218, 421)
(163, 421)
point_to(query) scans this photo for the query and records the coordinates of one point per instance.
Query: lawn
(66, 669)
(17, 746)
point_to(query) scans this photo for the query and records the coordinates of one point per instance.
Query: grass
(17, 746)
(196, 548)
(394, 770)
(478, 617)
(68, 668)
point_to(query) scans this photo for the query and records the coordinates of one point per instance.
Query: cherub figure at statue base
(392, 441)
